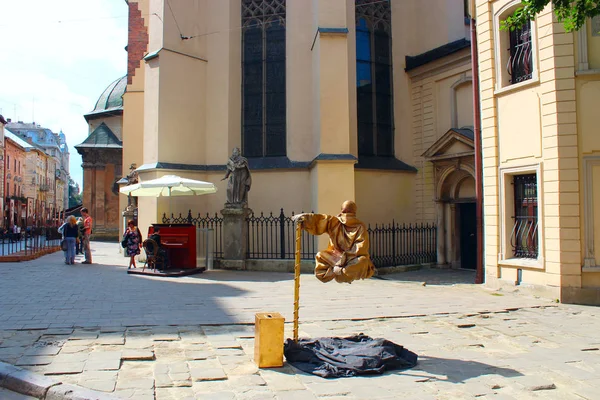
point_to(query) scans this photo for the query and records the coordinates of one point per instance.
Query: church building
(328, 100)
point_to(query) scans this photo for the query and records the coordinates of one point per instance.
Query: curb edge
(39, 386)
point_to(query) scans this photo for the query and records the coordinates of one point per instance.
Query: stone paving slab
(454, 363)
(46, 293)
(193, 337)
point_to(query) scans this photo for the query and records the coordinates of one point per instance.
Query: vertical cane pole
(297, 279)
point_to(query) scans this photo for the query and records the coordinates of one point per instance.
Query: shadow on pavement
(458, 371)
(433, 369)
(54, 295)
(243, 276)
(433, 276)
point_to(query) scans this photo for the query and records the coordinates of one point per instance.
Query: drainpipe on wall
(477, 144)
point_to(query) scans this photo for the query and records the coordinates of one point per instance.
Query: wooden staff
(297, 279)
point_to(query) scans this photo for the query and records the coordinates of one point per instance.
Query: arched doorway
(456, 196)
(452, 156)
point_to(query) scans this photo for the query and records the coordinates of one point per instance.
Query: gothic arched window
(263, 78)
(374, 78)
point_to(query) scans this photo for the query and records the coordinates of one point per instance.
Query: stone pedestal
(235, 237)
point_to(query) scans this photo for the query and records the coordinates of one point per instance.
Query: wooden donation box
(179, 240)
(268, 340)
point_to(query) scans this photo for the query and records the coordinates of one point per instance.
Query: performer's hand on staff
(298, 218)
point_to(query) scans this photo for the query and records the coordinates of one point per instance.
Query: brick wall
(137, 44)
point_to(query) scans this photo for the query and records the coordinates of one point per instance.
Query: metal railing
(29, 241)
(205, 248)
(394, 244)
(214, 224)
(524, 237)
(272, 237)
(520, 64)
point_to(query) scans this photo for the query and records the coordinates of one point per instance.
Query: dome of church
(112, 97)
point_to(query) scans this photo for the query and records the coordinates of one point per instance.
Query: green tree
(571, 13)
(74, 195)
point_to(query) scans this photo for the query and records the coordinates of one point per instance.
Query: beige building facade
(35, 172)
(540, 87)
(328, 99)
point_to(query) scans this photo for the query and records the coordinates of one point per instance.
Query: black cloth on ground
(351, 356)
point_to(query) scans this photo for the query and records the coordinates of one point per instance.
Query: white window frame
(506, 195)
(501, 43)
(589, 261)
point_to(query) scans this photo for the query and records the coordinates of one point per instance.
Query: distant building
(3, 122)
(102, 156)
(34, 192)
(54, 145)
(15, 153)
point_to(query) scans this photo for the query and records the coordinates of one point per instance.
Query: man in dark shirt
(162, 252)
(79, 246)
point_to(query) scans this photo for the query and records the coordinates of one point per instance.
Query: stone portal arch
(455, 191)
(450, 180)
(454, 186)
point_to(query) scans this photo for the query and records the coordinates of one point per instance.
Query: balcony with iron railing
(524, 236)
(44, 188)
(520, 61)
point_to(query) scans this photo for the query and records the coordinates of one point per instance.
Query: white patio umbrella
(169, 185)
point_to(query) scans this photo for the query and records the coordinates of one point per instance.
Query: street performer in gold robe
(347, 256)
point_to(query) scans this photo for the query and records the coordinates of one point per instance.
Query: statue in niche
(132, 178)
(239, 182)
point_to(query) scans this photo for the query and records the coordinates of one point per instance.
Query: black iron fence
(212, 224)
(28, 241)
(273, 237)
(395, 244)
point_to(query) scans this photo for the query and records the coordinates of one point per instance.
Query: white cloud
(56, 59)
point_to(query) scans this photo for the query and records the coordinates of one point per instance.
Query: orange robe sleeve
(316, 224)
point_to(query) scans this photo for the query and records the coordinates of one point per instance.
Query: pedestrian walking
(14, 231)
(132, 240)
(87, 226)
(70, 233)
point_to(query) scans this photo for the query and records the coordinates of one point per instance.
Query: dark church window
(374, 78)
(263, 78)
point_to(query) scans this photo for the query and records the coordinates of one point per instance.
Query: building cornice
(279, 163)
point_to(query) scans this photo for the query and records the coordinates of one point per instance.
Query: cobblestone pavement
(147, 338)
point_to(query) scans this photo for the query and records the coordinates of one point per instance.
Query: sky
(56, 58)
